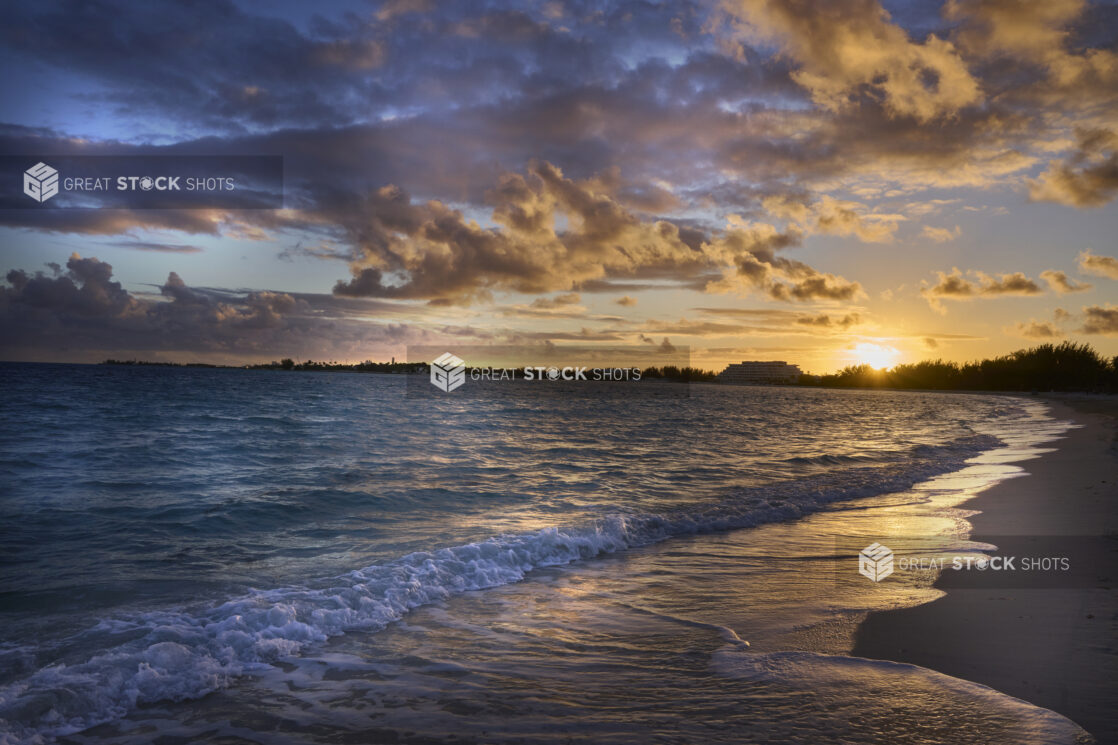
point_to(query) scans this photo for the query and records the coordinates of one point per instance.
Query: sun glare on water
(874, 355)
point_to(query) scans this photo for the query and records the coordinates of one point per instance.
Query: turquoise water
(301, 557)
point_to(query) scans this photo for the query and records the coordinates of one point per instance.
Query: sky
(827, 182)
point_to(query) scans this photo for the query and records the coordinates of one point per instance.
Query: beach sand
(1055, 647)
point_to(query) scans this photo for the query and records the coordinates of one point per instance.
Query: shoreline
(1057, 647)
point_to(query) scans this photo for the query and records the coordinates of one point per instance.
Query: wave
(835, 460)
(858, 700)
(179, 654)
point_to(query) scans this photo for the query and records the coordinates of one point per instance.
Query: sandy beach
(1053, 647)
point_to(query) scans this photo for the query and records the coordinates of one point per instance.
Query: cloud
(393, 8)
(826, 321)
(687, 327)
(849, 52)
(1100, 266)
(955, 286)
(516, 336)
(1037, 34)
(833, 216)
(430, 251)
(353, 54)
(1099, 319)
(1088, 178)
(1036, 330)
(1060, 282)
(212, 63)
(952, 337)
(81, 310)
(941, 235)
(608, 285)
(433, 252)
(755, 325)
(771, 315)
(559, 301)
(931, 206)
(816, 287)
(1007, 284)
(118, 221)
(757, 322)
(178, 248)
(84, 289)
(626, 301)
(566, 305)
(752, 249)
(1010, 27)
(356, 102)
(952, 285)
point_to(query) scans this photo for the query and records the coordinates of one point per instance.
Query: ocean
(227, 556)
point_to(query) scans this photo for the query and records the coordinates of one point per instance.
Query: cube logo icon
(40, 182)
(875, 562)
(448, 372)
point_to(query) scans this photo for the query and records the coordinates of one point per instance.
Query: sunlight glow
(875, 355)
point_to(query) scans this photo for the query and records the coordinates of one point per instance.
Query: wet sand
(1055, 647)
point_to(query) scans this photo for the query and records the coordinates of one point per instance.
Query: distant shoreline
(1043, 370)
(1066, 367)
(288, 365)
(422, 368)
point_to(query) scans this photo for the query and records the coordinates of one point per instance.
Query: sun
(876, 356)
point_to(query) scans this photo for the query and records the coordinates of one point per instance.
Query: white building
(759, 373)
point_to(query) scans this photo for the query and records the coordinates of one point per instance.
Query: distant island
(668, 372)
(393, 367)
(1047, 367)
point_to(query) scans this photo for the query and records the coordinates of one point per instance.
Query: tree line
(1048, 367)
